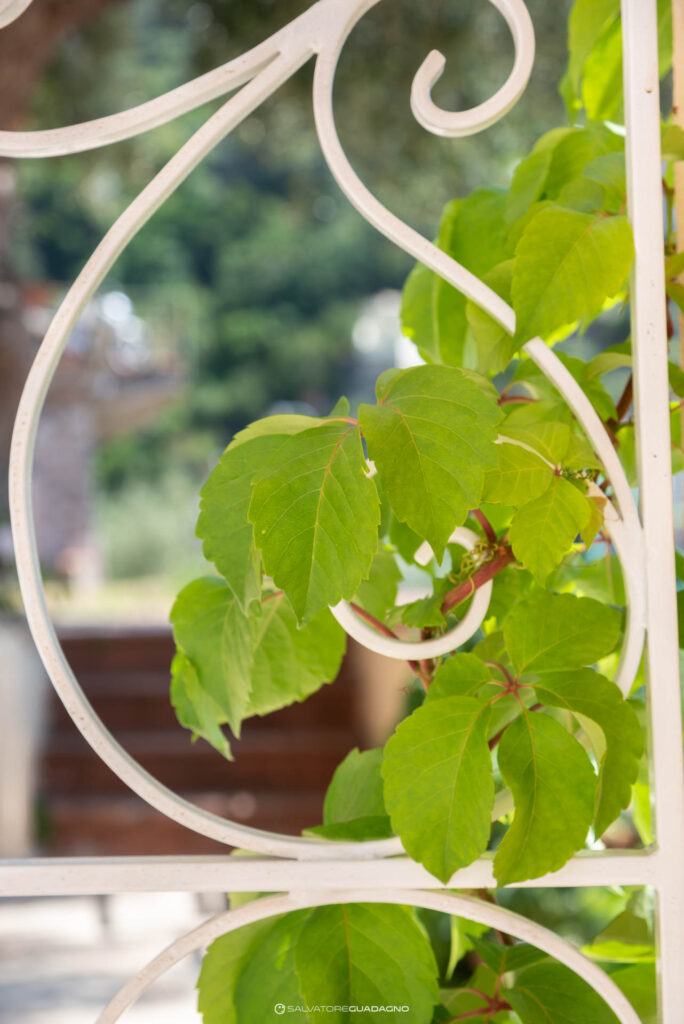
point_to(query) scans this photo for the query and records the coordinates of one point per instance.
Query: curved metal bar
(124, 125)
(404, 650)
(629, 538)
(448, 902)
(11, 9)
(322, 29)
(625, 528)
(23, 441)
(467, 122)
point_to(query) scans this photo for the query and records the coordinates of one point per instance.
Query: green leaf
(245, 666)
(589, 694)
(554, 790)
(550, 993)
(462, 932)
(354, 808)
(602, 67)
(639, 984)
(675, 291)
(529, 179)
(427, 612)
(606, 362)
(366, 955)
(566, 265)
(495, 346)
(520, 477)
(223, 525)
(502, 959)
(404, 539)
(602, 77)
(195, 709)
(430, 437)
(291, 662)
(641, 806)
(559, 631)
(627, 939)
(468, 1000)
(544, 530)
(674, 264)
(340, 408)
(355, 790)
(356, 831)
(595, 522)
(609, 170)
(461, 675)
(551, 439)
(268, 975)
(676, 378)
(588, 20)
(221, 969)
(378, 594)
(438, 761)
(583, 195)
(574, 152)
(316, 517)
(432, 316)
(214, 633)
(433, 311)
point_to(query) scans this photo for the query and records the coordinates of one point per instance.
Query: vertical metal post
(651, 402)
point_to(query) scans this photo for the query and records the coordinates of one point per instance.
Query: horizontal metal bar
(76, 876)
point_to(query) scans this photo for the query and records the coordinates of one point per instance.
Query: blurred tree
(257, 266)
(26, 46)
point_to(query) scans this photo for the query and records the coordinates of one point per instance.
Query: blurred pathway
(61, 960)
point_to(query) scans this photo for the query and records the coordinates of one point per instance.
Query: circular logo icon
(279, 1008)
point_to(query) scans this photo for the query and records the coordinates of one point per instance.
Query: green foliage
(566, 265)
(221, 969)
(438, 760)
(231, 665)
(338, 943)
(590, 695)
(315, 517)
(432, 424)
(354, 805)
(544, 993)
(544, 529)
(554, 789)
(223, 524)
(627, 939)
(336, 508)
(558, 631)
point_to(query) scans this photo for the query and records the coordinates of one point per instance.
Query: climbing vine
(522, 744)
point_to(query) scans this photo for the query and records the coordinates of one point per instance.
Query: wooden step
(113, 647)
(140, 700)
(86, 826)
(284, 760)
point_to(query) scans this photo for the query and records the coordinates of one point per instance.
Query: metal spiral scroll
(322, 32)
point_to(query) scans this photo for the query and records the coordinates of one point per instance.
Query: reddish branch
(625, 399)
(385, 630)
(489, 531)
(489, 1008)
(503, 557)
(510, 399)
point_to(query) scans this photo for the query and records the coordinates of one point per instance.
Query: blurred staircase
(282, 765)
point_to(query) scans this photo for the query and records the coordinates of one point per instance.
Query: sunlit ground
(62, 960)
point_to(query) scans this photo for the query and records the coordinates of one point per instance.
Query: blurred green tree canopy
(256, 268)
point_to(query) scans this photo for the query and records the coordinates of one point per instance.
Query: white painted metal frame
(315, 872)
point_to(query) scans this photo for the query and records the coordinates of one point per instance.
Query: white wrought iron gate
(311, 872)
